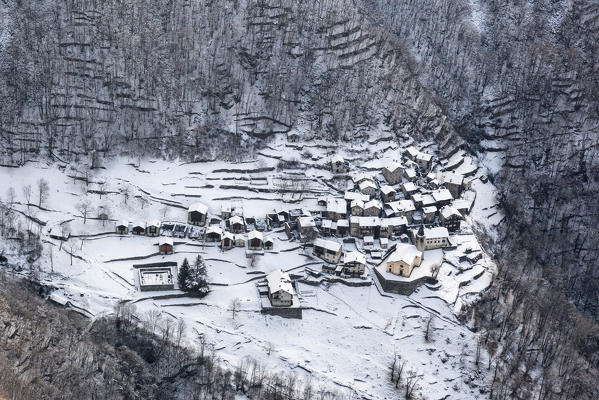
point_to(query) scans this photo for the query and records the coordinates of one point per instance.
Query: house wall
(166, 249)
(403, 288)
(393, 178)
(195, 218)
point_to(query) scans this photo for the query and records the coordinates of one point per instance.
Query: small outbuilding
(269, 243)
(122, 228)
(197, 214)
(138, 228)
(214, 233)
(255, 240)
(339, 165)
(236, 224)
(153, 228)
(165, 245)
(228, 241)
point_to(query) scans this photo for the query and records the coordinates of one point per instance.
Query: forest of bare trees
(47, 352)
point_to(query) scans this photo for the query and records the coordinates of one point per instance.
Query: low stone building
(450, 218)
(153, 228)
(197, 214)
(393, 172)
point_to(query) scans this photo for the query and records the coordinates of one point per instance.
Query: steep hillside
(173, 75)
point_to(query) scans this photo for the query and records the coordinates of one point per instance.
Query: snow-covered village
(324, 260)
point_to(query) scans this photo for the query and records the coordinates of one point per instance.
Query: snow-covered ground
(347, 336)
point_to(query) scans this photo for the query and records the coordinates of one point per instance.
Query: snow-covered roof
(402, 206)
(165, 240)
(424, 156)
(383, 240)
(361, 176)
(412, 151)
(369, 239)
(357, 203)
(228, 235)
(410, 173)
(453, 178)
(139, 224)
(429, 209)
(409, 187)
(406, 253)
(306, 221)
(366, 184)
(355, 196)
(236, 219)
(279, 281)
(153, 222)
(386, 189)
(392, 166)
(395, 221)
(239, 237)
(366, 221)
(337, 159)
(373, 203)
(269, 240)
(442, 195)
(343, 222)
(198, 207)
(336, 205)
(354, 257)
(327, 244)
(438, 232)
(326, 223)
(225, 207)
(122, 223)
(255, 235)
(448, 211)
(214, 229)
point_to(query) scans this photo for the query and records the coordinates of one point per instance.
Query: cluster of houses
(228, 231)
(406, 201)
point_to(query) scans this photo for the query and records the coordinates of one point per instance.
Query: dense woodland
(79, 79)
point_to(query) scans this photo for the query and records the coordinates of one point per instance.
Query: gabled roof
(406, 253)
(269, 240)
(354, 257)
(429, 209)
(442, 195)
(327, 244)
(439, 232)
(448, 212)
(386, 189)
(198, 207)
(392, 166)
(373, 203)
(367, 184)
(355, 196)
(139, 224)
(395, 221)
(337, 159)
(228, 235)
(153, 222)
(409, 187)
(255, 235)
(214, 229)
(165, 240)
(366, 221)
(357, 203)
(402, 206)
(279, 281)
(453, 178)
(236, 219)
(306, 221)
(336, 205)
